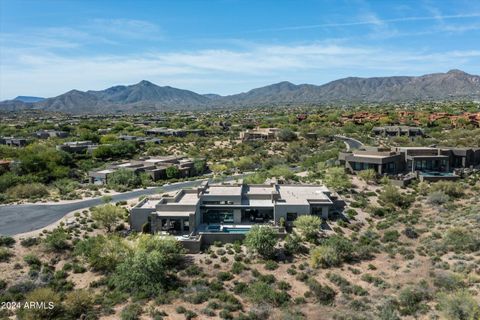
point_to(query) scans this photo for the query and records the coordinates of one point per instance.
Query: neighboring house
(222, 208)
(174, 132)
(155, 167)
(398, 131)
(434, 163)
(140, 140)
(260, 134)
(13, 142)
(45, 134)
(77, 146)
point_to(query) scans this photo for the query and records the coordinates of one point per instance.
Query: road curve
(16, 219)
(351, 143)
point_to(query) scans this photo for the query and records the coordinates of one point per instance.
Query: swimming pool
(437, 174)
(227, 229)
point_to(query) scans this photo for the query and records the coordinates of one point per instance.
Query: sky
(49, 47)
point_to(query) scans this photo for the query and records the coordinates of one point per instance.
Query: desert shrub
(391, 195)
(237, 267)
(461, 239)
(323, 294)
(410, 232)
(260, 292)
(49, 298)
(412, 300)
(150, 267)
(262, 240)
(438, 197)
(57, 240)
(309, 226)
(293, 244)
(5, 254)
(367, 175)
(31, 260)
(224, 276)
(131, 312)
(448, 281)
(459, 305)
(332, 252)
(271, 265)
(78, 302)
(390, 236)
(29, 242)
(450, 188)
(101, 252)
(28, 191)
(6, 241)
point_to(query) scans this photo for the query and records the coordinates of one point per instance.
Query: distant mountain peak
(146, 96)
(456, 71)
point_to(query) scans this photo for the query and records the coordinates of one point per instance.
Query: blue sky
(228, 46)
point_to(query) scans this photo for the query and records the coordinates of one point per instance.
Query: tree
(286, 135)
(245, 163)
(103, 253)
(107, 215)
(262, 240)
(309, 226)
(150, 267)
(367, 175)
(172, 172)
(336, 178)
(199, 166)
(124, 178)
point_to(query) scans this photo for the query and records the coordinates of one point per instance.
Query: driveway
(15, 219)
(350, 142)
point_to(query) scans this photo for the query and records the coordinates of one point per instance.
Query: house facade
(401, 160)
(215, 207)
(155, 167)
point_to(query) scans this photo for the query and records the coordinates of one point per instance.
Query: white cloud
(219, 71)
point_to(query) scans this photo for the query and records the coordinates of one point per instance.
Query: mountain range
(146, 96)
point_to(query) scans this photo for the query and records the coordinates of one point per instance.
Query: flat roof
(379, 156)
(265, 190)
(188, 198)
(301, 194)
(223, 190)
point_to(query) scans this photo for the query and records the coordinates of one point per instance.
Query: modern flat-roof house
(155, 167)
(140, 140)
(45, 134)
(260, 134)
(13, 142)
(434, 163)
(398, 131)
(174, 132)
(231, 208)
(77, 146)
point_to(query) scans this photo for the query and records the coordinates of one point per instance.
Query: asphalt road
(15, 219)
(350, 142)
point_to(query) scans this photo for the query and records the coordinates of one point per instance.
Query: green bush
(131, 312)
(5, 254)
(103, 253)
(78, 302)
(150, 267)
(262, 240)
(29, 242)
(261, 292)
(309, 226)
(459, 305)
(28, 191)
(6, 241)
(57, 240)
(324, 294)
(461, 239)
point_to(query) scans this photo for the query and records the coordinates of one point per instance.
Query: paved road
(350, 142)
(15, 219)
